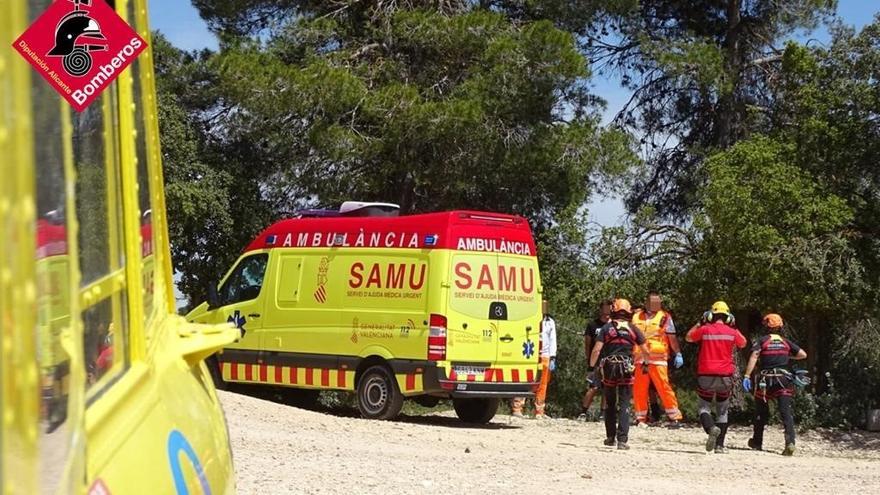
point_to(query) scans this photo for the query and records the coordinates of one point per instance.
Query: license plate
(469, 370)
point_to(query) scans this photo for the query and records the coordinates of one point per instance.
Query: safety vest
(654, 329)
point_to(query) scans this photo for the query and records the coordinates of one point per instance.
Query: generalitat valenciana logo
(80, 47)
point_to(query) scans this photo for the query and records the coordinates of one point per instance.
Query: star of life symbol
(528, 349)
(238, 320)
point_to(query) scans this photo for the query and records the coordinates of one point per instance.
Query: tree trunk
(726, 119)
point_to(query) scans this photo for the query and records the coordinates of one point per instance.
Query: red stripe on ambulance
(340, 378)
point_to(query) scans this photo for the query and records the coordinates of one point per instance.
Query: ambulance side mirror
(213, 298)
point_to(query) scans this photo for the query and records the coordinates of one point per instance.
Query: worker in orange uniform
(659, 330)
(548, 365)
(612, 356)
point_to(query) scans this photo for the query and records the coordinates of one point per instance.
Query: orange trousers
(540, 395)
(659, 375)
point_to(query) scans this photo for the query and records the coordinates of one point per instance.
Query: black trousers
(762, 415)
(617, 416)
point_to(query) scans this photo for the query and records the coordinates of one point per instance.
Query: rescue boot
(754, 445)
(789, 450)
(712, 439)
(609, 442)
(719, 444)
(706, 421)
(622, 446)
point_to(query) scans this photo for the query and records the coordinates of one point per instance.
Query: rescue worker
(594, 384)
(613, 356)
(548, 365)
(773, 353)
(659, 331)
(717, 337)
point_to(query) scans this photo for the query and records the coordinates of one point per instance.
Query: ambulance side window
(246, 281)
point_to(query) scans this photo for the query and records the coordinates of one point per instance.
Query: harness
(775, 346)
(774, 382)
(618, 368)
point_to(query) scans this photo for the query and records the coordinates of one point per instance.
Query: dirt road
(281, 449)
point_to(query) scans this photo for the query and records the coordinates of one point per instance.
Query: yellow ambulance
(427, 306)
(103, 388)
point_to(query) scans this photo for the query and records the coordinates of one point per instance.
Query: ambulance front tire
(479, 411)
(378, 396)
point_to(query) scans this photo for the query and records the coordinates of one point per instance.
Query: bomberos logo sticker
(80, 47)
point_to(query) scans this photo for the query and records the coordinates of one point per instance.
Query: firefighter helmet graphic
(77, 34)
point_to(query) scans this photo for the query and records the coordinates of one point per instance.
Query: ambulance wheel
(377, 394)
(479, 411)
(214, 368)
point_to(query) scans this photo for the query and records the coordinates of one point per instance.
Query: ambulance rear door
(472, 337)
(517, 314)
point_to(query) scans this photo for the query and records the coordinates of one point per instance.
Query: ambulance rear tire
(479, 411)
(378, 396)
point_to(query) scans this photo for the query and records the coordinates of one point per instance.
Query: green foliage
(698, 71)
(427, 110)
(773, 233)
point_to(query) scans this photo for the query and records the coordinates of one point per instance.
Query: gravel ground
(280, 449)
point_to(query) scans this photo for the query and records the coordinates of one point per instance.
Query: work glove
(747, 384)
(552, 365)
(679, 360)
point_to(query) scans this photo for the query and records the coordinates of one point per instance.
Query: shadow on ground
(311, 400)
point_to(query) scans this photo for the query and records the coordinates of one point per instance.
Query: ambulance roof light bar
(368, 209)
(491, 218)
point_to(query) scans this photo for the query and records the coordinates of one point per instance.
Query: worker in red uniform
(773, 354)
(613, 354)
(659, 331)
(717, 337)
